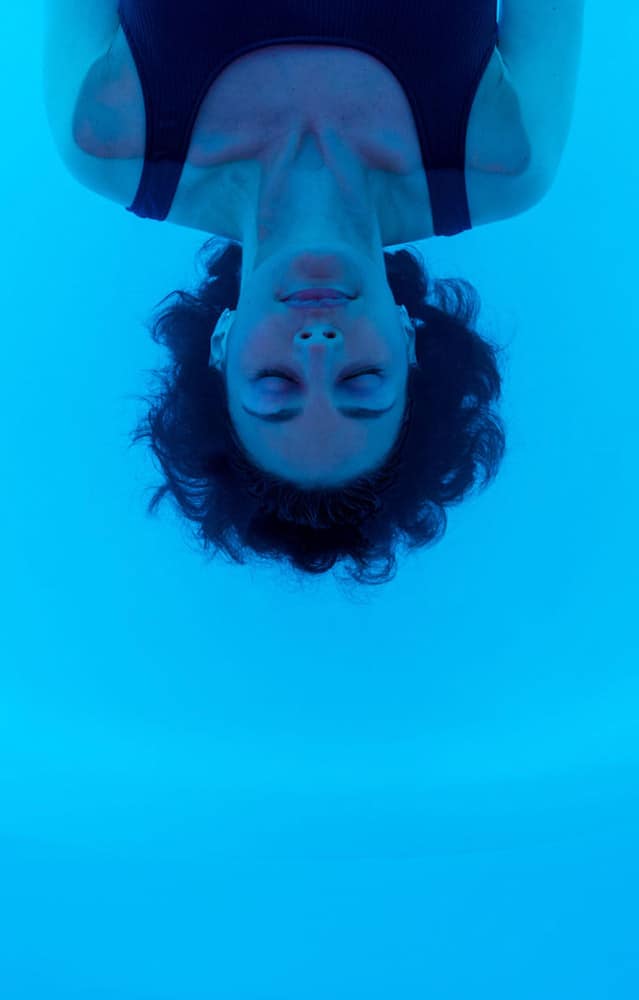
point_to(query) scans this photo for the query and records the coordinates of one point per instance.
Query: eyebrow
(289, 413)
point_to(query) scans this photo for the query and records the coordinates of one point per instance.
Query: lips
(310, 304)
(316, 294)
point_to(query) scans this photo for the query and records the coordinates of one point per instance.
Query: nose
(317, 345)
(317, 334)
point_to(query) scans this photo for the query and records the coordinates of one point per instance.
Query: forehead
(314, 445)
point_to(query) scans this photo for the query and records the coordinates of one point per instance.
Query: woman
(326, 427)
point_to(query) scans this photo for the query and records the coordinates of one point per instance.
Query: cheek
(262, 340)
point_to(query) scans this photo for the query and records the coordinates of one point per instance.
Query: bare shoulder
(77, 36)
(540, 42)
(505, 172)
(540, 47)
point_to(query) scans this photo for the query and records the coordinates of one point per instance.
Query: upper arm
(76, 34)
(540, 43)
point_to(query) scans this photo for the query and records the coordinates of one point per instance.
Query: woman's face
(326, 365)
(310, 215)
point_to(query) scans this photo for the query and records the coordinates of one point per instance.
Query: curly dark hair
(448, 432)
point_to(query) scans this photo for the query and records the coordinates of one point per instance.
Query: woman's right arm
(540, 42)
(76, 34)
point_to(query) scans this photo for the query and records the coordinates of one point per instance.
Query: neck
(310, 191)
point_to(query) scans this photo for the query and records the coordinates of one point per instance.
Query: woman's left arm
(540, 44)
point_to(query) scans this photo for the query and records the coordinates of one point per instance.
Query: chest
(252, 104)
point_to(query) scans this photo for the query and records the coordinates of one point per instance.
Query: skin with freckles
(312, 219)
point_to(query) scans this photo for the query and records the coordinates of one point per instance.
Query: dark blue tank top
(437, 49)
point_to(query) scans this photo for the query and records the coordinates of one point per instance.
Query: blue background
(215, 783)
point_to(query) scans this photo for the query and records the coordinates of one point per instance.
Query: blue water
(214, 784)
